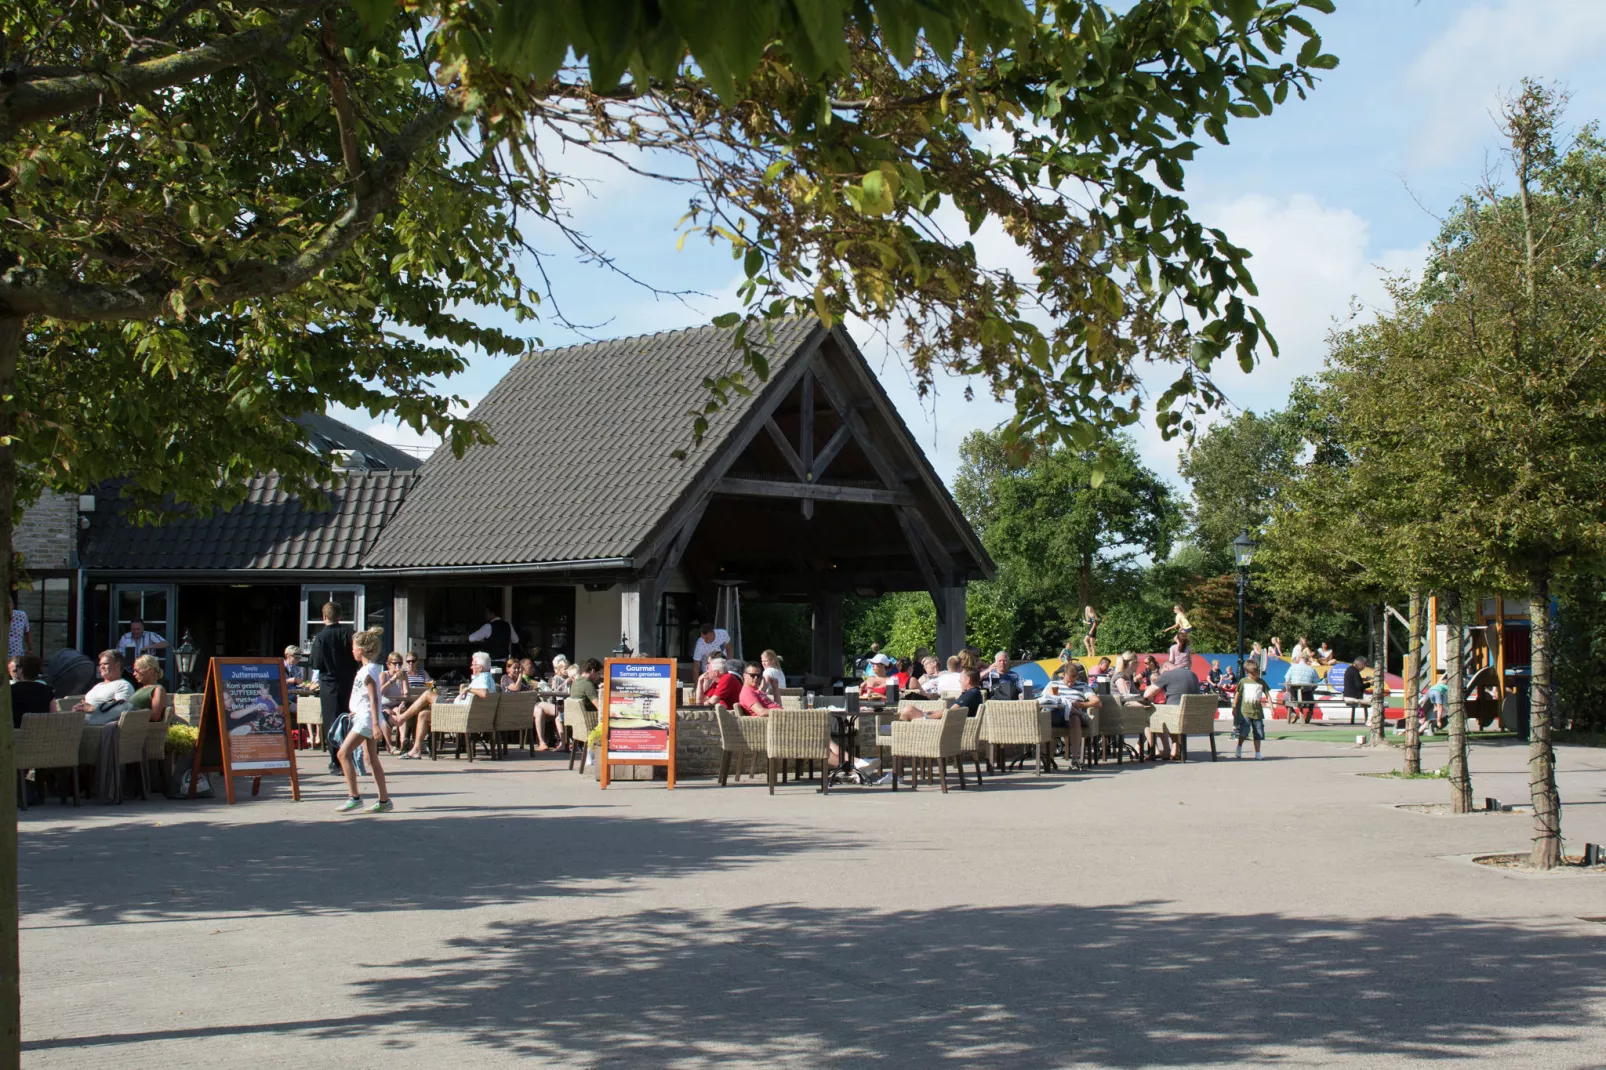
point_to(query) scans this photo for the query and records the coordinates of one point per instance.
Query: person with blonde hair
(365, 711)
(150, 695)
(774, 677)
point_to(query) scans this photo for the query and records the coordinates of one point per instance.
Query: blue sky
(1325, 193)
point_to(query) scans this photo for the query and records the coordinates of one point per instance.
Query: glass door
(152, 607)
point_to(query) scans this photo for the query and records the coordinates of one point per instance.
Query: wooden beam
(939, 553)
(828, 452)
(788, 454)
(922, 559)
(762, 488)
(805, 434)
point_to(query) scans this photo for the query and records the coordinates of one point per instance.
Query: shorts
(1243, 728)
(362, 724)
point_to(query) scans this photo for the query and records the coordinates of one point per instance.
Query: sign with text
(244, 729)
(638, 714)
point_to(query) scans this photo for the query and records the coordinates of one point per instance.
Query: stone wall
(48, 534)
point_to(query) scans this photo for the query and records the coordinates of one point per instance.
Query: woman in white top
(774, 678)
(365, 714)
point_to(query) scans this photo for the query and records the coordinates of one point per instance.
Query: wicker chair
(156, 744)
(309, 716)
(515, 713)
(1194, 716)
(798, 735)
(1121, 719)
(970, 742)
(48, 741)
(465, 720)
(1019, 723)
(792, 693)
(930, 739)
(132, 728)
(579, 722)
(739, 737)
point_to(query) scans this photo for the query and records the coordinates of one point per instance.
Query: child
(365, 711)
(1248, 709)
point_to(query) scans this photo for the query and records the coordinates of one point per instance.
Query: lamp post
(185, 657)
(1243, 552)
(623, 649)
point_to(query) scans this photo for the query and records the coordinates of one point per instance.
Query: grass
(1579, 739)
(1395, 774)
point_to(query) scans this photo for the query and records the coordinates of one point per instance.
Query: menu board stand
(638, 714)
(245, 725)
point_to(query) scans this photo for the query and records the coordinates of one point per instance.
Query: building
(594, 519)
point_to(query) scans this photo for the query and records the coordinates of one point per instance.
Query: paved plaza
(1281, 912)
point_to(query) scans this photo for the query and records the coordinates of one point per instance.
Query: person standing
(1249, 709)
(21, 635)
(363, 704)
(497, 635)
(712, 642)
(1090, 618)
(331, 658)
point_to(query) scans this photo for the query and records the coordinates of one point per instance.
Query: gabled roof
(270, 529)
(328, 435)
(583, 466)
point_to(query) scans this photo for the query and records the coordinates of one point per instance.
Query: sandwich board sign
(638, 714)
(245, 725)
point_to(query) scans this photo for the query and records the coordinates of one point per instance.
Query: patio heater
(728, 613)
(185, 657)
(1243, 552)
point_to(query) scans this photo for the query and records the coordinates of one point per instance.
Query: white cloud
(1458, 79)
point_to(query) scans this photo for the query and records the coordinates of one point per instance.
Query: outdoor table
(849, 721)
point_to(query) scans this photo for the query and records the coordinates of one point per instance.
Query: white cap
(882, 659)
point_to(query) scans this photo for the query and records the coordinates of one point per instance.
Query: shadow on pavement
(1122, 986)
(448, 859)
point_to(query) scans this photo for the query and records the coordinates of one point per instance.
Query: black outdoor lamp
(623, 649)
(1243, 552)
(185, 656)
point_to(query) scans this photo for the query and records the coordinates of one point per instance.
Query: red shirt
(728, 690)
(875, 685)
(903, 680)
(755, 699)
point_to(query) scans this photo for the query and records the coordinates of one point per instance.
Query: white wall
(596, 622)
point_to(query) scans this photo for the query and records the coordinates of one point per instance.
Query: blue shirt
(1302, 675)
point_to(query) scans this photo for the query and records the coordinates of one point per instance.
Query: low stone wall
(697, 744)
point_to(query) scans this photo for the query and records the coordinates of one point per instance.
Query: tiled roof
(270, 529)
(582, 468)
(328, 434)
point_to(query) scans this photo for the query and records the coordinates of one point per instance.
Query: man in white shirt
(711, 642)
(950, 681)
(497, 635)
(112, 686)
(137, 641)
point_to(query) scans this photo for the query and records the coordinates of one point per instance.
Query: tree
(1060, 511)
(1235, 470)
(282, 204)
(1514, 281)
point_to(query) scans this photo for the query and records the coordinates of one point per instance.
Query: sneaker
(348, 806)
(867, 765)
(1257, 756)
(883, 781)
(383, 806)
(1240, 753)
(334, 769)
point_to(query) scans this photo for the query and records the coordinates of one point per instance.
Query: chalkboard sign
(638, 714)
(245, 725)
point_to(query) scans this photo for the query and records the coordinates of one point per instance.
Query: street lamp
(1243, 552)
(623, 649)
(185, 656)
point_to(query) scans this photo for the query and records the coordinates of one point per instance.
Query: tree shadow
(451, 858)
(1038, 986)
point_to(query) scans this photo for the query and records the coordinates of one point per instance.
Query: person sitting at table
(774, 678)
(28, 694)
(112, 688)
(754, 700)
(728, 688)
(929, 676)
(707, 679)
(950, 679)
(1099, 677)
(150, 695)
(1172, 684)
(875, 685)
(1069, 697)
(1181, 653)
(905, 674)
(1123, 682)
(513, 675)
(481, 685)
(294, 672)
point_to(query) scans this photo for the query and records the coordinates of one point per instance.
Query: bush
(1135, 626)
(180, 739)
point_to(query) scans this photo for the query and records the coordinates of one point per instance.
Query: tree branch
(51, 98)
(149, 296)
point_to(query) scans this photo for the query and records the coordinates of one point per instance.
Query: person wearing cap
(875, 685)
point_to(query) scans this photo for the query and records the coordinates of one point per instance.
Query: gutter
(576, 565)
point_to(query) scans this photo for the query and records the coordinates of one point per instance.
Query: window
(49, 605)
(348, 608)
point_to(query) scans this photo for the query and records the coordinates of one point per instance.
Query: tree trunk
(1085, 582)
(1413, 740)
(1541, 756)
(1380, 688)
(1455, 679)
(10, 957)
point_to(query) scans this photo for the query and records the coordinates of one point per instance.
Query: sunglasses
(412, 661)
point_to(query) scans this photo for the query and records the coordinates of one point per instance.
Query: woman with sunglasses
(392, 693)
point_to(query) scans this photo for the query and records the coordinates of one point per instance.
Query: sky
(1328, 194)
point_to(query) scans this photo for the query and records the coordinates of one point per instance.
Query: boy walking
(1249, 709)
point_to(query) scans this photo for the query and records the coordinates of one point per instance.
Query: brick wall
(48, 534)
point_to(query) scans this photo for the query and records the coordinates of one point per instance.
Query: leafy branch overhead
(289, 204)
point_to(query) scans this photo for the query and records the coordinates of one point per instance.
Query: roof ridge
(651, 335)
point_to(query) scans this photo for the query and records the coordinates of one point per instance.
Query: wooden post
(1500, 650)
(950, 621)
(827, 629)
(1433, 639)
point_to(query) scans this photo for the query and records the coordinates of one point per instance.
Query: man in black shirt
(28, 695)
(331, 656)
